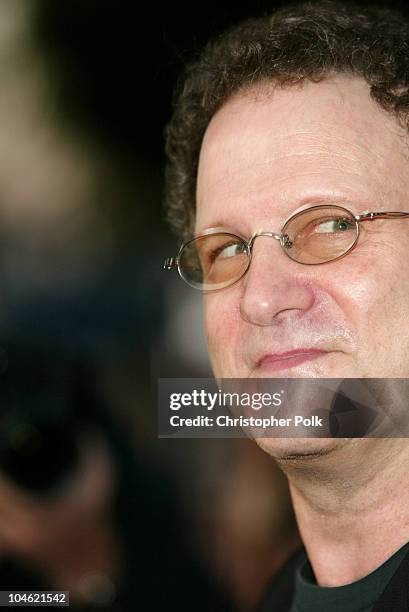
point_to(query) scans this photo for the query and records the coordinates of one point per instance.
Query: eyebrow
(312, 201)
(220, 228)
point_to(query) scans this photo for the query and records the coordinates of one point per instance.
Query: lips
(282, 361)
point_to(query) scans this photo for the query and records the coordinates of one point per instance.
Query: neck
(352, 506)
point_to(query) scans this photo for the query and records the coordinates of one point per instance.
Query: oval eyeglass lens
(214, 261)
(320, 234)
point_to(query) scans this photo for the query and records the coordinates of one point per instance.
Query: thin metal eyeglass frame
(173, 262)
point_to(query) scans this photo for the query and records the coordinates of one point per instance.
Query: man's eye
(228, 250)
(331, 226)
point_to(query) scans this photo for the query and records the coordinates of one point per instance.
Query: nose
(275, 287)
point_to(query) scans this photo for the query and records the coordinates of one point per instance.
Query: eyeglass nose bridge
(278, 237)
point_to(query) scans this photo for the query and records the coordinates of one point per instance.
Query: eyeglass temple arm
(370, 216)
(170, 263)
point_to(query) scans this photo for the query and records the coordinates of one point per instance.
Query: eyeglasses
(318, 235)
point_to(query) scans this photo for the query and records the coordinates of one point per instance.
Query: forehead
(268, 151)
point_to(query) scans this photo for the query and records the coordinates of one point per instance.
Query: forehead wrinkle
(382, 129)
(359, 133)
(316, 145)
(253, 182)
(271, 170)
(269, 174)
(276, 147)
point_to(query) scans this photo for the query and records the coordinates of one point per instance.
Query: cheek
(375, 296)
(373, 277)
(222, 320)
(381, 286)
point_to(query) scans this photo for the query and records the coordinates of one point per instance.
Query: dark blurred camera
(37, 451)
(39, 447)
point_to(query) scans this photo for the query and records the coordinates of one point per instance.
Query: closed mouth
(288, 359)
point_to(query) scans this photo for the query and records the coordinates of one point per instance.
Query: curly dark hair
(309, 41)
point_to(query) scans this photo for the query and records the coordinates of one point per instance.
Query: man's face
(269, 153)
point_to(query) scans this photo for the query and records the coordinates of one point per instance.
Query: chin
(303, 449)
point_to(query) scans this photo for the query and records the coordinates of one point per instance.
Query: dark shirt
(294, 589)
(359, 596)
